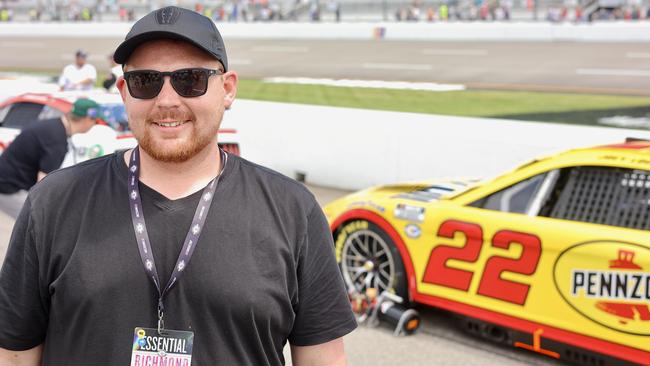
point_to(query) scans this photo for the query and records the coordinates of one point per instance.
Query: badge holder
(171, 347)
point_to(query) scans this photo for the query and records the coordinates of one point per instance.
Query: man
(78, 76)
(98, 270)
(41, 147)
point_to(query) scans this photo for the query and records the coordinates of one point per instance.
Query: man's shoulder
(46, 130)
(46, 124)
(33, 130)
(74, 179)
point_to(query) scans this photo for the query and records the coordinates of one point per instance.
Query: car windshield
(115, 116)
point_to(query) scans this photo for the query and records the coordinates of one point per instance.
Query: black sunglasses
(188, 83)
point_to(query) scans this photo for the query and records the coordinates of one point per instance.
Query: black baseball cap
(174, 23)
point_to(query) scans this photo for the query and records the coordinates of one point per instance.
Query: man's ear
(230, 88)
(121, 86)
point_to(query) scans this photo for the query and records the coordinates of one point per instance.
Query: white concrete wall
(619, 31)
(355, 148)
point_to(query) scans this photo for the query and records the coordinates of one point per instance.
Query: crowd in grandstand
(333, 10)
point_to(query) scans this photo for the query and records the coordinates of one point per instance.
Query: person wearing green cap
(41, 147)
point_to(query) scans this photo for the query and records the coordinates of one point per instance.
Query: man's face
(155, 122)
(80, 61)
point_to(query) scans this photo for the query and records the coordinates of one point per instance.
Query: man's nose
(168, 96)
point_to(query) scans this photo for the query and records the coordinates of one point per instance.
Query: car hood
(426, 191)
(381, 197)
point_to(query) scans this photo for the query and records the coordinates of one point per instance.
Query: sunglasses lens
(190, 82)
(144, 84)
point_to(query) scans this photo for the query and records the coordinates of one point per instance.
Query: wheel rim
(367, 262)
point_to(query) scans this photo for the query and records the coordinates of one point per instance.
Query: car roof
(637, 148)
(638, 145)
(63, 100)
(632, 153)
(98, 95)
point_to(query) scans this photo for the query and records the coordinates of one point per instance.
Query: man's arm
(87, 81)
(31, 357)
(92, 76)
(331, 353)
(324, 314)
(25, 307)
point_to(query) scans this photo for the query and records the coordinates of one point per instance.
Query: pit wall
(615, 31)
(355, 148)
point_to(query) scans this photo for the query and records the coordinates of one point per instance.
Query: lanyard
(142, 237)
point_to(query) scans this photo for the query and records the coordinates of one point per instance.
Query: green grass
(538, 106)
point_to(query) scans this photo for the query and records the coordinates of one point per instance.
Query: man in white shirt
(79, 75)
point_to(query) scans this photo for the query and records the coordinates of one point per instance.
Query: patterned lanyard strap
(191, 239)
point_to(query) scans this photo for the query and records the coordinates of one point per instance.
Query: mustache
(175, 115)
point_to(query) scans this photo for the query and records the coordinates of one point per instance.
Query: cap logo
(168, 15)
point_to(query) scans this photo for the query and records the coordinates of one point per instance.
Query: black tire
(369, 258)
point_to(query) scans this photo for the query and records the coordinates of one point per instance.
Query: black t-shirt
(39, 147)
(263, 271)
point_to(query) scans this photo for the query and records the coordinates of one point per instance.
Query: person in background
(116, 71)
(79, 75)
(6, 14)
(41, 147)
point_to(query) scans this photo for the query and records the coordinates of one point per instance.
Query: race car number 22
(491, 284)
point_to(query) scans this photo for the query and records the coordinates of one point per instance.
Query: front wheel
(370, 259)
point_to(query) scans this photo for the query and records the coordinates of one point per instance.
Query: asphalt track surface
(438, 342)
(607, 68)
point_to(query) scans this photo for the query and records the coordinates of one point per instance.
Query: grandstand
(332, 10)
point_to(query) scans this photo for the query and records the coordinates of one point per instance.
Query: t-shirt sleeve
(23, 313)
(323, 312)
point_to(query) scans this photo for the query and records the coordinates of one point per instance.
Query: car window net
(609, 196)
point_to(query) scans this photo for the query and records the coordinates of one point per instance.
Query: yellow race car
(553, 256)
